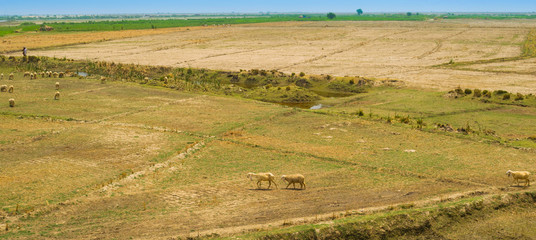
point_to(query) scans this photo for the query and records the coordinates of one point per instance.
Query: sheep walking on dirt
(57, 96)
(10, 89)
(57, 86)
(3, 88)
(519, 175)
(12, 102)
(2, 76)
(293, 179)
(11, 76)
(26, 74)
(260, 177)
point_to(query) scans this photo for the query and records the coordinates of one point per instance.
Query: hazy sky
(253, 6)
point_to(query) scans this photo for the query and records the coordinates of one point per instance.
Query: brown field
(399, 50)
(15, 43)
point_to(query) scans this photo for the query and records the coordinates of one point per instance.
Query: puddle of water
(82, 74)
(315, 107)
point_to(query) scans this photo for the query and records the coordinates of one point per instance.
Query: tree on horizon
(359, 11)
(331, 15)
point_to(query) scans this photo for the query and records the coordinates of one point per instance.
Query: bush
(302, 74)
(254, 71)
(477, 93)
(302, 82)
(468, 91)
(519, 97)
(360, 113)
(506, 96)
(500, 92)
(351, 81)
(459, 91)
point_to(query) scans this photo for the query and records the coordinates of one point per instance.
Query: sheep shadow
(293, 189)
(261, 189)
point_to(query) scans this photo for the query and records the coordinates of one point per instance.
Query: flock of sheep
(34, 75)
(269, 177)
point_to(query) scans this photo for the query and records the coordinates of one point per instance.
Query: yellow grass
(34, 41)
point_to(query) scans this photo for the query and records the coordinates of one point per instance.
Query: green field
(136, 157)
(133, 22)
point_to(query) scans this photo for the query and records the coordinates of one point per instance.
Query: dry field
(400, 50)
(15, 43)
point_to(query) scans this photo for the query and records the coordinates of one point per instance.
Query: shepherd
(24, 50)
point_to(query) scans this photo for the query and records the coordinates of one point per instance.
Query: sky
(25, 7)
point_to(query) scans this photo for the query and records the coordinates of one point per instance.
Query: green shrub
(477, 93)
(506, 96)
(519, 97)
(405, 119)
(500, 92)
(468, 91)
(487, 94)
(360, 113)
(302, 74)
(459, 91)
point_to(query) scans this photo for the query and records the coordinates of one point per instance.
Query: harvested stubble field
(119, 159)
(408, 51)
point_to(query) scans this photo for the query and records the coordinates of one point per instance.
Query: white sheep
(61, 74)
(293, 179)
(57, 86)
(3, 88)
(519, 175)
(55, 74)
(2, 76)
(11, 76)
(57, 96)
(26, 74)
(10, 89)
(268, 177)
(31, 76)
(102, 80)
(12, 102)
